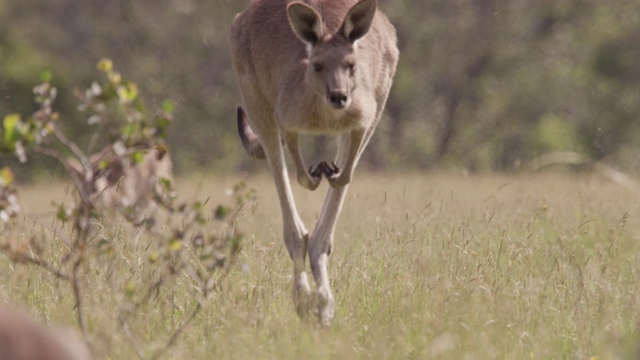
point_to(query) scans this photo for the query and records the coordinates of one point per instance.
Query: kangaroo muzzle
(338, 99)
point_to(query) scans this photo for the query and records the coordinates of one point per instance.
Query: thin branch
(24, 259)
(172, 340)
(153, 288)
(75, 177)
(127, 333)
(75, 283)
(84, 159)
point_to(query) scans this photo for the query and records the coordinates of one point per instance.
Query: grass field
(425, 266)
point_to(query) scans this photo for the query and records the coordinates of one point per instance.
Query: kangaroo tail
(249, 139)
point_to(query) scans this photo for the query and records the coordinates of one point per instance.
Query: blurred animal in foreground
(22, 338)
(318, 67)
(120, 182)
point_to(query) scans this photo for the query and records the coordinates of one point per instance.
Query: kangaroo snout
(338, 99)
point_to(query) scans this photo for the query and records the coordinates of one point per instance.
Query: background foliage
(482, 84)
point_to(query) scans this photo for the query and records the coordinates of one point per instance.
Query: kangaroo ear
(359, 19)
(305, 22)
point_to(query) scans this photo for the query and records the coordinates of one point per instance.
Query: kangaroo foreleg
(352, 144)
(321, 240)
(308, 179)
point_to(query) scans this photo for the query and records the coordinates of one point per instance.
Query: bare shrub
(190, 252)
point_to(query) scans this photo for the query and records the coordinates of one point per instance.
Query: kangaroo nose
(338, 99)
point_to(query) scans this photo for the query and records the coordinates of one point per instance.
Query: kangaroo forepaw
(330, 170)
(324, 169)
(318, 172)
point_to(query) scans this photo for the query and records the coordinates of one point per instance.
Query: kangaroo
(116, 185)
(21, 338)
(319, 67)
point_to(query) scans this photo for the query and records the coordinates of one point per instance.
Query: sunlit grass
(424, 266)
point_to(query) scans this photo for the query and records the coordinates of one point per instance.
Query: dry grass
(424, 266)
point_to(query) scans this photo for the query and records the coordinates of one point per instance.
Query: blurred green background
(481, 85)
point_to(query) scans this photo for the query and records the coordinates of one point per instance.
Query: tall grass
(424, 266)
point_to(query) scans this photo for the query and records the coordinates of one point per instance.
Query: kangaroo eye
(318, 67)
(352, 67)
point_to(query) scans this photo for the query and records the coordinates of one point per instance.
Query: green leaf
(221, 212)
(128, 93)
(162, 123)
(166, 183)
(175, 244)
(138, 156)
(167, 106)
(11, 134)
(114, 77)
(61, 214)
(128, 130)
(236, 243)
(6, 176)
(46, 76)
(129, 288)
(105, 65)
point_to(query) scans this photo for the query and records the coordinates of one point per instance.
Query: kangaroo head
(332, 62)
